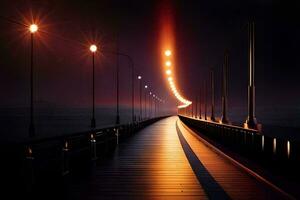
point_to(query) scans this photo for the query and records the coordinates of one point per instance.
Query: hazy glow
(33, 28)
(146, 86)
(93, 48)
(139, 77)
(168, 53)
(172, 85)
(169, 72)
(168, 63)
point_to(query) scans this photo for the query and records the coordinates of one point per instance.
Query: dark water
(57, 121)
(281, 122)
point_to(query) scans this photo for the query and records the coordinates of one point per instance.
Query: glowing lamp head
(139, 77)
(146, 86)
(170, 79)
(168, 72)
(93, 48)
(168, 53)
(33, 28)
(168, 63)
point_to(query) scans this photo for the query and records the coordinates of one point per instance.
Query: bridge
(95, 129)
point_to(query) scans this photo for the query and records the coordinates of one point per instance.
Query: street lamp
(150, 105)
(168, 53)
(145, 100)
(93, 49)
(168, 63)
(33, 28)
(140, 79)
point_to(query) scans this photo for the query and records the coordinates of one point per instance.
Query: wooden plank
(151, 164)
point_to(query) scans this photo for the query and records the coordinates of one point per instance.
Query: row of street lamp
(33, 28)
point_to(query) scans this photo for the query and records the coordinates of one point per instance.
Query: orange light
(169, 72)
(168, 53)
(33, 28)
(93, 48)
(168, 63)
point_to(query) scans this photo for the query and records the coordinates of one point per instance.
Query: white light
(168, 72)
(139, 77)
(146, 86)
(168, 63)
(33, 28)
(168, 53)
(93, 48)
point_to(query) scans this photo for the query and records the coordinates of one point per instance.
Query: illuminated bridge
(90, 114)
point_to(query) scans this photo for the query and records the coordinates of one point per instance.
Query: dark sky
(203, 30)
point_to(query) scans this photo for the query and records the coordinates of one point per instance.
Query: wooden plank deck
(150, 165)
(155, 164)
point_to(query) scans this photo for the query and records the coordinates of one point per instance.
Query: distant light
(33, 28)
(139, 77)
(168, 63)
(153, 95)
(93, 48)
(170, 79)
(168, 72)
(146, 86)
(168, 53)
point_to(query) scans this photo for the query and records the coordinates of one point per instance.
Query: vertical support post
(93, 147)
(205, 100)
(141, 100)
(212, 95)
(192, 108)
(118, 98)
(93, 121)
(225, 89)
(200, 102)
(251, 120)
(29, 169)
(196, 111)
(132, 94)
(117, 134)
(65, 159)
(31, 125)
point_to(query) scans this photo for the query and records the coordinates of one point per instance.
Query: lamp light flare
(168, 53)
(168, 63)
(33, 28)
(146, 86)
(93, 48)
(139, 77)
(169, 72)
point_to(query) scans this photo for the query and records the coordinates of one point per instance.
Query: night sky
(203, 30)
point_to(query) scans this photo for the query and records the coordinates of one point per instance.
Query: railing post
(29, 169)
(117, 134)
(93, 147)
(65, 159)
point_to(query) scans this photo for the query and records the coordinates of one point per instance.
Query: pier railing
(45, 160)
(273, 153)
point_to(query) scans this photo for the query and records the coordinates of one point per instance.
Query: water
(56, 121)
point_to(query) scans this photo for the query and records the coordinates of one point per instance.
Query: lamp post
(251, 121)
(93, 49)
(212, 82)
(150, 104)
(118, 100)
(33, 28)
(140, 79)
(145, 100)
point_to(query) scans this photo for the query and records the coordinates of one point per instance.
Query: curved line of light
(182, 100)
